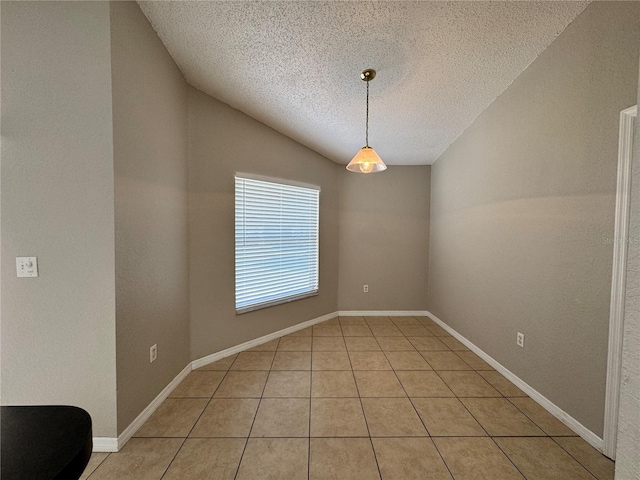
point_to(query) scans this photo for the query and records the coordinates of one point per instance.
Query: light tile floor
(352, 398)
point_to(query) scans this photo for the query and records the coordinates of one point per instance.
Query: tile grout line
(197, 419)
(373, 448)
(98, 466)
(246, 443)
(571, 455)
(310, 393)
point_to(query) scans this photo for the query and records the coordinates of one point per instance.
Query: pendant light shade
(367, 160)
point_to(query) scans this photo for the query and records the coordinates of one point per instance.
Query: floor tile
(226, 417)
(438, 331)
(426, 321)
(240, 384)
(292, 361)
(175, 417)
(199, 383)
(500, 383)
(139, 459)
(378, 321)
(447, 417)
(599, 465)
(275, 458)
(282, 417)
(337, 417)
(475, 459)
(395, 344)
(423, 384)
(356, 331)
(468, 384)
(385, 330)
(427, 343)
(333, 384)
(94, 462)
(321, 330)
(378, 384)
(414, 331)
(474, 361)
(330, 361)
(331, 321)
(288, 384)
(207, 458)
(404, 321)
(392, 417)
(253, 361)
(369, 361)
(407, 361)
(222, 364)
(547, 422)
(499, 417)
(271, 346)
(445, 361)
(341, 459)
(328, 344)
(295, 344)
(362, 344)
(542, 458)
(305, 332)
(352, 321)
(453, 344)
(409, 459)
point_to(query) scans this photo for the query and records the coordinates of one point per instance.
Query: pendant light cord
(367, 127)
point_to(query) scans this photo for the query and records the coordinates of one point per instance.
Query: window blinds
(276, 243)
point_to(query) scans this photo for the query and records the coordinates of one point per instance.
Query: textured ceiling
(295, 65)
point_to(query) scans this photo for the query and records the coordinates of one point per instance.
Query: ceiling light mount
(367, 160)
(368, 75)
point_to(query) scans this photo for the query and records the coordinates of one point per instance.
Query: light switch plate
(27, 266)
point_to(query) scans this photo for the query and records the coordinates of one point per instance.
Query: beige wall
(224, 141)
(151, 205)
(384, 239)
(627, 459)
(521, 207)
(58, 330)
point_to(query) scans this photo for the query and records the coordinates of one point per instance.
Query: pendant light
(367, 160)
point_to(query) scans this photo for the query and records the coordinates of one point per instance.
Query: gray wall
(522, 206)
(224, 141)
(151, 207)
(627, 459)
(384, 239)
(58, 330)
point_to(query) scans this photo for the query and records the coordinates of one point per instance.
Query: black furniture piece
(44, 442)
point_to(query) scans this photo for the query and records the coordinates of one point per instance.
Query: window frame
(288, 298)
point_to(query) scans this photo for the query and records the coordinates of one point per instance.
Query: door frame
(618, 280)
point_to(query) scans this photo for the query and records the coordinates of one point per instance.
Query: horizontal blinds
(276, 243)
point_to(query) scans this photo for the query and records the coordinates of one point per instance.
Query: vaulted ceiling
(295, 65)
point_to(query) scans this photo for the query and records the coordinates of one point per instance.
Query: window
(276, 242)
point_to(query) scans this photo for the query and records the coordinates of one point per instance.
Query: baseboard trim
(105, 444)
(214, 357)
(383, 313)
(547, 404)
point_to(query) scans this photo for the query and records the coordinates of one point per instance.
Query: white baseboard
(383, 313)
(107, 444)
(214, 357)
(547, 404)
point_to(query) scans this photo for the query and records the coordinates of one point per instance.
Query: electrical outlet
(365, 288)
(153, 353)
(520, 339)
